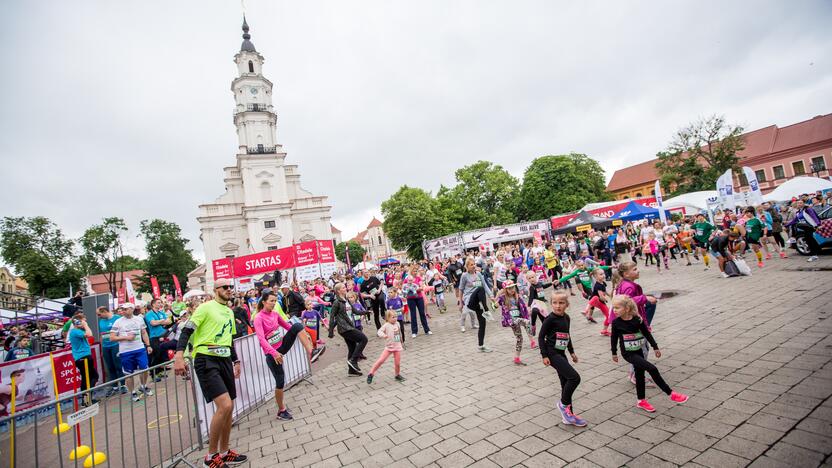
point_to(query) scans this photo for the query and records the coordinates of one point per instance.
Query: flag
(658, 191)
(131, 294)
(122, 296)
(725, 187)
(177, 286)
(347, 255)
(755, 196)
(154, 286)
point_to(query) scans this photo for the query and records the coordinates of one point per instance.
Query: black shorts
(700, 245)
(215, 375)
(752, 241)
(277, 372)
(285, 345)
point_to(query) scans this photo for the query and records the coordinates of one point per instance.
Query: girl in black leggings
(554, 341)
(629, 333)
(479, 304)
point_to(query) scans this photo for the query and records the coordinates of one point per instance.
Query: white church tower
(264, 206)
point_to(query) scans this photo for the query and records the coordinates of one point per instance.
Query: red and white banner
(562, 220)
(326, 254)
(177, 286)
(154, 287)
(222, 268)
(122, 296)
(263, 262)
(33, 378)
(610, 211)
(131, 293)
(306, 261)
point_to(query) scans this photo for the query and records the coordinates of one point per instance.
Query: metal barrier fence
(161, 429)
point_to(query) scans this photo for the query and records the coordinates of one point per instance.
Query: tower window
(250, 66)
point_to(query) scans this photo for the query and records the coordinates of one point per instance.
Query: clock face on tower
(253, 90)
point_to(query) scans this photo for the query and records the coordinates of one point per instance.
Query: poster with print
(326, 253)
(307, 267)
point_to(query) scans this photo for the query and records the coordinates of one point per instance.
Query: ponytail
(618, 273)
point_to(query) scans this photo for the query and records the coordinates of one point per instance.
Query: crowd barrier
(159, 430)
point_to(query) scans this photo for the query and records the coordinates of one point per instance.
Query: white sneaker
(430, 333)
(484, 349)
(812, 258)
(462, 329)
(725, 275)
(413, 335)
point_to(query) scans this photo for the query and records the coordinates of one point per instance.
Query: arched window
(638, 194)
(250, 66)
(626, 197)
(266, 192)
(653, 192)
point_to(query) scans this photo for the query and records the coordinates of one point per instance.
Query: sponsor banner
(756, 197)
(122, 296)
(33, 378)
(131, 293)
(177, 286)
(584, 228)
(443, 247)
(326, 252)
(610, 211)
(307, 267)
(658, 191)
(562, 220)
(256, 383)
(154, 286)
(511, 232)
(264, 262)
(222, 268)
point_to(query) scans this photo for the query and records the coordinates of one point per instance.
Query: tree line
(51, 263)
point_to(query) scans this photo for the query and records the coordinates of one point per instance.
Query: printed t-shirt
(123, 327)
(214, 329)
(754, 229)
(155, 331)
(702, 231)
(104, 326)
(550, 258)
(80, 345)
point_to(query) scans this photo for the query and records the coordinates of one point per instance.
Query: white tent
(194, 293)
(364, 266)
(796, 187)
(693, 200)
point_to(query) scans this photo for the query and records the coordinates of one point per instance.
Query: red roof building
(775, 154)
(99, 283)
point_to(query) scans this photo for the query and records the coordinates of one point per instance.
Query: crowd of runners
(524, 286)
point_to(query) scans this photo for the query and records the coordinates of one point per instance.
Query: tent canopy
(797, 187)
(697, 200)
(634, 211)
(582, 219)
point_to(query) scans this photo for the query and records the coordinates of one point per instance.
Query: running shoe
(484, 349)
(321, 343)
(353, 373)
(565, 414)
(369, 378)
(812, 258)
(783, 255)
(678, 397)
(462, 329)
(590, 319)
(233, 458)
(216, 461)
(316, 353)
(137, 396)
(400, 378)
(605, 332)
(768, 256)
(413, 335)
(147, 391)
(353, 365)
(643, 404)
(430, 332)
(633, 378)
(725, 275)
(760, 264)
(577, 421)
(518, 362)
(533, 343)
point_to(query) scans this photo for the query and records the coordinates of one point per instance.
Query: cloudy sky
(124, 108)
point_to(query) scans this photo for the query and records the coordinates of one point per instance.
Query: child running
(395, 303)
(392, 332)
(515, 315)
(554, 342)
(599, 299)
(629, 333)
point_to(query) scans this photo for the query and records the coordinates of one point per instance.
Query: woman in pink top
(277, 337)
(392, 333)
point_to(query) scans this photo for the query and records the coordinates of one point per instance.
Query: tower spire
(247, 45)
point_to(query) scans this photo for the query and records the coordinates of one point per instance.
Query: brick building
(775, 154)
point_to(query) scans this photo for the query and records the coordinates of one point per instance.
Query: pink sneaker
(518, 362)
(605, 332)
(533, 344)
(783, 255)
(768, 256)
(678, 397)
(760, 264)
(643, 404)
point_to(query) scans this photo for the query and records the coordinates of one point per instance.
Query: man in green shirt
(754, 230)
(702, 231)
(210, 331)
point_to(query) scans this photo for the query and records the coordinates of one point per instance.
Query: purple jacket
(629, 288)
(504, 307)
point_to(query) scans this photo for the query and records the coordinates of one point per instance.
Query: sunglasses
(226, 287)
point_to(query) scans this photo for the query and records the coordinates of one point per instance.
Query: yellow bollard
(11, 433)
(62, 426)
(96, 458)
(80, 451)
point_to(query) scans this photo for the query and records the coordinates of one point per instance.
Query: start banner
(311, 259)
(326, 252)
(263, 262)
(307, 260)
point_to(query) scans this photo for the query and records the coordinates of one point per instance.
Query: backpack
(731, 269)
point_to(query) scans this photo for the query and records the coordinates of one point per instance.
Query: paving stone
(544, 460)
(795, 456)
(449, 446)
(503, 438)
(454, 460)
(607, 457)
(480, 449)
(532, 445)
(713, 458)
(740, 447)
(673, 452)
(424, 457)
(649, 461)
(629, 446)
(569, 451)
(508, 457)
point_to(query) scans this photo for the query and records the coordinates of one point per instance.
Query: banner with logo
(177, 286)
(499, 234)
(611, 210)
(725, 188)
(658, 191)
(154, 286)
(131, 293)
(307, 265)
(263, 262)
(222, 268)
(326, 253)
(443, 247)
(33, 378)
(755, 196)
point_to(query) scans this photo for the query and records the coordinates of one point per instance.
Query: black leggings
(356, 341)
(378, 309)
(479, 303)
(640, 364)
(535, 314)
(779, 239)
(569, 378)
(79, 364)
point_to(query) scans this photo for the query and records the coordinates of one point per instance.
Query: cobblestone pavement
(753, 353)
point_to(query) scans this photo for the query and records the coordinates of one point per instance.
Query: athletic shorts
(700, 245)
(131, 361)
(277, 372)
(215, 375)
(752, 241)
(717, 254)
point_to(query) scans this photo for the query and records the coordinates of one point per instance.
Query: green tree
(356, 252)
(411, 216)
(560, 184)
(38, 251)
(103, 249)
(699, 154)
(167, 254)
(485, 195)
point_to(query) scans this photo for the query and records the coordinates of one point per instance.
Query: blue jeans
(112, 363)
(413, 304)
(649, 311)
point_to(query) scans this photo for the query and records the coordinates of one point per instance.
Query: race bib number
(276, 337)
(312, 323)
(633, 342)
(515, 313)
(561, 341)
(477, 284)
(219, 351)
(397, 338)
